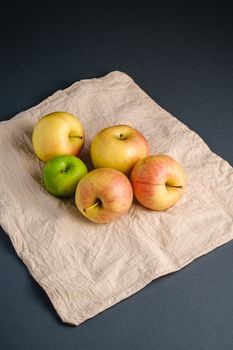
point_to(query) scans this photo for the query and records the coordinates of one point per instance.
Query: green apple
(62, 174)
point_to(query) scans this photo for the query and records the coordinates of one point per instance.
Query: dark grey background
(183, 58)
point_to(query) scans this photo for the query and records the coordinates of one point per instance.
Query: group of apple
(123, 168)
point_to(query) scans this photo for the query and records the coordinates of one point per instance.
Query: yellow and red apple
(158, 182)
(57, 133)
(103, 195)
(118, 147)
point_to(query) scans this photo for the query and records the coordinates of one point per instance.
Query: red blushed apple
(118, 147)
(103, 195)
(158, 182)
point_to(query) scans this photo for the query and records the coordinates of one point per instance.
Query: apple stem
(93, 206)
(122, 137)
(174, 186)
(77, 137)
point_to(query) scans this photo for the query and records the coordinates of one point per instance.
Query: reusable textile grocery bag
(84, 267)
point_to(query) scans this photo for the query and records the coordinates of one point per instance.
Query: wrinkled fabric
(84, 267)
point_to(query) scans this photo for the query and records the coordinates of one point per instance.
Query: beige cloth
(85, 267)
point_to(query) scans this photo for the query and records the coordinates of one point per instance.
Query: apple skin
(118, 147)
(62, 174)
(57, 133)
(158, 182)
(103, 195)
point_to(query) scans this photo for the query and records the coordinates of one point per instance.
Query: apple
(158, 182)
(57, 133)
(103, 195)
(62, 174)
(118, 147)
